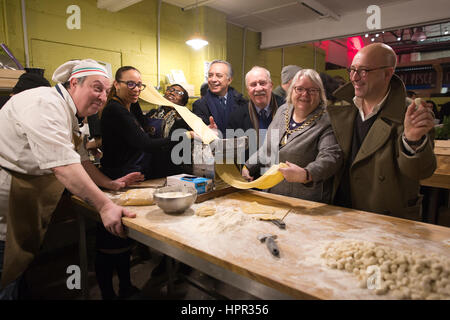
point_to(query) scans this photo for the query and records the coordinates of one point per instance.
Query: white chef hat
(78, 69)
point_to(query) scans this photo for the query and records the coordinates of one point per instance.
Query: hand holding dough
(230, 174)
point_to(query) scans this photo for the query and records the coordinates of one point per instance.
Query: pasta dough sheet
(264, 212)
(137, 197)
(150, 94)
(231, 175)
(227, 172)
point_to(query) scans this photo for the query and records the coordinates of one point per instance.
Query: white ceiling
(258, 15)
(288, 22)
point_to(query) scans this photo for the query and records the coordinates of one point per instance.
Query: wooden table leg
(433, 205)
(171, 275)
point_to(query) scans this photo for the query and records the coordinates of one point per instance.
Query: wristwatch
(414, 143)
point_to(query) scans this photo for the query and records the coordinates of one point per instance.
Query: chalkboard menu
(420, 77)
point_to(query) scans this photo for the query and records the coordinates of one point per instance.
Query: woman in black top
(126, 148)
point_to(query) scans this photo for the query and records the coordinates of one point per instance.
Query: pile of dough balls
(404, 274)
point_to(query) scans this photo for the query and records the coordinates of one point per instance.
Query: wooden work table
(228, 248)
(441, 177)
(439, 183)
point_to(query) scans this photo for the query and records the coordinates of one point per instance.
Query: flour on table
(222, 221)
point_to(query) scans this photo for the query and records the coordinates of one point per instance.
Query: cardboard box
(202, 185)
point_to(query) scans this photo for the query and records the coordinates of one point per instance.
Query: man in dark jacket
(220, 100)
(263, 105)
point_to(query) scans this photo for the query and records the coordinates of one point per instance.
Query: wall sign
(420, 77)
(73, 21)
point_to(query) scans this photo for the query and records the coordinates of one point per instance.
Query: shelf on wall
(8, 78)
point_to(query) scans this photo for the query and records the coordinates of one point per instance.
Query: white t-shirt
(37, 128)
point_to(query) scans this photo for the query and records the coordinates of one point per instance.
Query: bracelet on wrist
(307, 175)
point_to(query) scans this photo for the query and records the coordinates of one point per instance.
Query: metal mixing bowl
(175, 204)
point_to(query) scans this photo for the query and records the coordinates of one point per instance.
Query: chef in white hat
(40, 155)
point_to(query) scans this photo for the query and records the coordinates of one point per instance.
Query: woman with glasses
(301, 136)
(126, 145)
(163, 121)
(126, 148)
(170, 119)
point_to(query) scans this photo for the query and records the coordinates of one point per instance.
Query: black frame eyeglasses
(311, 91)
(131, 84)
(363, 71)
(178, 92)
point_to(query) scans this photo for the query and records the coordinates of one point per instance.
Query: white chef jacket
(37, 128)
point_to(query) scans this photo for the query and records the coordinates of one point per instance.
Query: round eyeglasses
(311, 91)
(178, 92)
(131, 84)
(363, 71)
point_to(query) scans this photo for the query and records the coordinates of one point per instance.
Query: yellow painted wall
(234, 53)
(271, 59)
(11, 23)
(339, 72)
(128, 37)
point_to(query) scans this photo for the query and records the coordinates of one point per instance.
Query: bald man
(387, 149)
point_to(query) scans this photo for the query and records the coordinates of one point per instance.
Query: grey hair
(80, 81)
(230, 69)
(314, 77)
(258, 68)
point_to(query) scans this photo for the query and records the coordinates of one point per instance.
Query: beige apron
(32, 201)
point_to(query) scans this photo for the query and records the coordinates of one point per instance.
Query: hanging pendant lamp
(197, 41)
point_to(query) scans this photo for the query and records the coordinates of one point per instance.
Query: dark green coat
(383, 177)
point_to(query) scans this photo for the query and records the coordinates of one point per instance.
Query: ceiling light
(373, 39)
(197, 42)
(367, 35)
(398, 38)
(377, 35)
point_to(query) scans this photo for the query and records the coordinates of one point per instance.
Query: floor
(46, 278)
